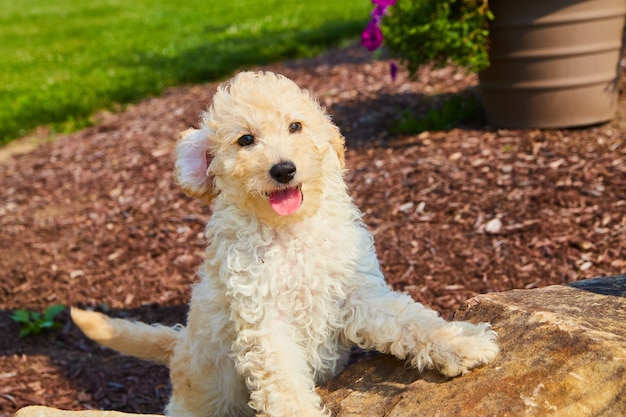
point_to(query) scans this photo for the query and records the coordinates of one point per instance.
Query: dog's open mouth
(286, 201)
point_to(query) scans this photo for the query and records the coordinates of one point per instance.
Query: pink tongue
(286, 202)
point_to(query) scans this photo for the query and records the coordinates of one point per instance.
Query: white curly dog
(291, 280)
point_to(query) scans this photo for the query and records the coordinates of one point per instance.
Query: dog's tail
(152, 343)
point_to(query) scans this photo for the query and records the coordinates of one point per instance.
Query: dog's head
(265, 145)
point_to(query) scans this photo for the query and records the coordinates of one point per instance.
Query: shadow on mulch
(375, 122)
(103, 379)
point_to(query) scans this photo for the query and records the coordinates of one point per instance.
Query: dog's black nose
(283, 172)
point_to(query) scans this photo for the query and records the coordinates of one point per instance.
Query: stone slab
(563, 353)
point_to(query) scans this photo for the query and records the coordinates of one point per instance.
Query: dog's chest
(300, 276)
(294, 283)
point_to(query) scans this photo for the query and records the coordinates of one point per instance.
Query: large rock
(563, 354)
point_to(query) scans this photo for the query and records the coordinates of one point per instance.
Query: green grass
(451, 111)
(61, 60)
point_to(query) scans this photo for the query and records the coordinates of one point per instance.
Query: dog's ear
(193, 159)
(338, 143)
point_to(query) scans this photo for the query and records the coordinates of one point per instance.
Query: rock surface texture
(563, 353)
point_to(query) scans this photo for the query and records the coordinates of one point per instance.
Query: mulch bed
(94, 218)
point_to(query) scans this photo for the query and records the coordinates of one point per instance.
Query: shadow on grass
(216, 61)
(151, 73)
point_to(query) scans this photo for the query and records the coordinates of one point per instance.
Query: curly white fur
(282, 298)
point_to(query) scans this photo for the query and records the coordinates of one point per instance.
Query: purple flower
(384, 3)
(372, 36)
(393, 70)
(378, 13)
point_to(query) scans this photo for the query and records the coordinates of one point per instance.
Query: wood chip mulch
(94, 218)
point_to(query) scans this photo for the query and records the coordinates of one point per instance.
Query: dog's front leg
(275, 369)
(392, 322)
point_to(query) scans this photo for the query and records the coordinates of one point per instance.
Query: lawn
(61, 60)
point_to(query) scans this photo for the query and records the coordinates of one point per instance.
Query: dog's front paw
(460, 346)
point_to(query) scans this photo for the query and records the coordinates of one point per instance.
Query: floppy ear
(338, 143)
(193, 158)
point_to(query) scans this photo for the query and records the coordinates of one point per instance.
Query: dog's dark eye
(245, 140)
(295, 127)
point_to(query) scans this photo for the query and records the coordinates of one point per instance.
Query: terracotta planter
(553, 63)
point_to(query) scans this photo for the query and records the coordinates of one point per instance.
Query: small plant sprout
(34, 322)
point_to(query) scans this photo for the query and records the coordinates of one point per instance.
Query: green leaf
(25, 332)
(21, 316)
(438, 32)
(34, 322)
(52, 311)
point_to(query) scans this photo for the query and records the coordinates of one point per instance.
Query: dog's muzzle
(285, 201)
